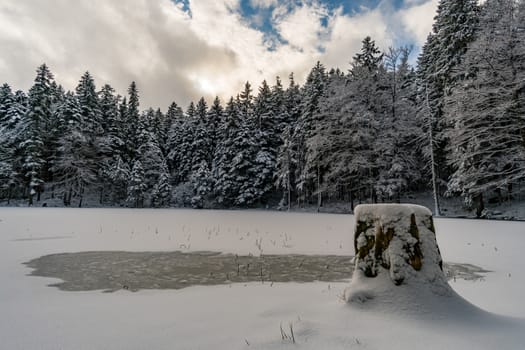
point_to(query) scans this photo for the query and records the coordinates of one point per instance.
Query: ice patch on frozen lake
(114, 270)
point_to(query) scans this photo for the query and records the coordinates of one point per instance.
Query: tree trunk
(480, 206)
(437, 209)
(69, 195)
(319, 194)
(81, 195)
(289, 187)
(30, 197)
(101, 198)
(500, 196)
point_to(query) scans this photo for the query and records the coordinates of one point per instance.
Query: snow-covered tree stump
(396, 247)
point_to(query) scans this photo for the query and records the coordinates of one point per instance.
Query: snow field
(35, 316)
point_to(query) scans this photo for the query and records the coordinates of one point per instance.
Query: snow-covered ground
(243, 316)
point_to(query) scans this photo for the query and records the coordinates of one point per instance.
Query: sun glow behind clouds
(207, 86)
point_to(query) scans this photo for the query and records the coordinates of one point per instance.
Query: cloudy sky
(179, 50)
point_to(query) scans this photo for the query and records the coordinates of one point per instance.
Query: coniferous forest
(453, 125)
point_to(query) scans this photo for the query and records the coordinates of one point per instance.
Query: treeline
(454, 124)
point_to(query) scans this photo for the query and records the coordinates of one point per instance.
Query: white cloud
(177, 57)
(302, 27)
(418, 19)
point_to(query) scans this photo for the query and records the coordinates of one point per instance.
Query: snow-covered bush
(182, 194)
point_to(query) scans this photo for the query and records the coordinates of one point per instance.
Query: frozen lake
(232, 315)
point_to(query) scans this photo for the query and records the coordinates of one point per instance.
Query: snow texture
(35, 316)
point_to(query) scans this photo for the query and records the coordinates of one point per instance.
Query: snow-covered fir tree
(89, 106)
(117, 173)
(215, 119)
(267, 139)
(41, 104)
(202, 140)
(161, 197)
(151, 159)
(181, 146)
(177, 158)
(14, 109)
(308, 174)
(173, 115)
(130, 117)
(225, 173)
(76, 166)
(137, 186)
(201, 182)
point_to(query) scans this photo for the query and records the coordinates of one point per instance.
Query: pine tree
(308, 176)
(230, 171)
(173, 115)
(11, 137)
(137, 186)
(131, 121)
(293, 101)
(263, 106)
(40, 112)
(152, 160)
(281, 115)
(182, 154)
(370, 56)
(201, 181)
(111, 122)
(246, 102)
(285, 166)
(162, 191)
(110, 145)
(287, 153)
(75, 166)
(249, 153)
(215, 119)
(202, 140)
(176, 157)
(89, 106)
(6, 99)
(118, 173)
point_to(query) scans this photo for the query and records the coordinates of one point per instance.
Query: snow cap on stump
(395, 247)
